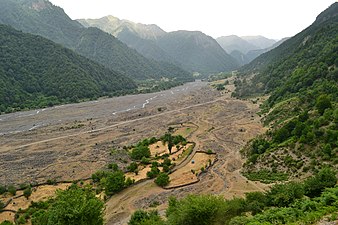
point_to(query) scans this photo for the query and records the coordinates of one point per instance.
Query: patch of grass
(186, 153)
(266, 176)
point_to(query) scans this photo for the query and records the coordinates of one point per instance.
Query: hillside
(245, 49)
(259, 41)
(252, 54)
(43, 18)
(193, 51)
(197, 52)
(301, 78)
(36, 72)
(233, 42)
(138, 36)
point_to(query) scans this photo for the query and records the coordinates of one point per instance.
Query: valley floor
(73, 141)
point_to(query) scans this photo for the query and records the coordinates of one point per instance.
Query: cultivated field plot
(189, 173)
(41, 193)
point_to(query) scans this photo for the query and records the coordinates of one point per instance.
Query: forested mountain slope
(43, 18)
(197, 52)
(36, 72)
(301, 78)
(138, 36)
(192, 50)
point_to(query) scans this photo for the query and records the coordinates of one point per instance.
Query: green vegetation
(289, 203)
(266, 176)
(154, 171)
(162, 179)
(132, 167)
(72, 206)
(93, 43)
(11, 189)
(111, 182)
(27, 192)
(219, 76)
(6, 222)
(141, 217)
(301, 78)
(48, 74)
(140, 151)
(204, 56)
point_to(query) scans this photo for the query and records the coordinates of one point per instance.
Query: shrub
(132, 167)
(113, 166)
(162, 179)
(11, 189)
(27, 192)
(324, 179)
(139, 152)
(2, 189)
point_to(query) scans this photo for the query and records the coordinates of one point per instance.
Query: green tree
(114, 182)
(113, 166)
(168, 138)
(140, 151)
(324, 179)
(11, 189)
(282, 195)
(3, 189)
(1, 204)
(27, 192)
(162, 179)
(141, 217)
(202, 210)
(72, 206)
(323, 102)
(6, 222)
(132, 167)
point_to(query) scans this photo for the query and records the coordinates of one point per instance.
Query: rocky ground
(73, 141)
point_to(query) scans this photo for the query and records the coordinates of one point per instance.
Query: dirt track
(69, 149)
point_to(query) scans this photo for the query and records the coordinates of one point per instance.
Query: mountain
(193, 51)
(252, 54)
(36, 72)
(259, 41)
(245, 49)
(300, 76)
(233, 42)
(114, 26)
(197, 52)
(43, 18)
(136, 35)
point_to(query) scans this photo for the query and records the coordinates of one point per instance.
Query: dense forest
(36, 72)
(301, 79)
(43, 18)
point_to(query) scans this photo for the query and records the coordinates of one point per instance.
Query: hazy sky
(271, 18)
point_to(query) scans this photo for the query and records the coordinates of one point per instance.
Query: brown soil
(184, 175)
(215, 122)
(41, 193)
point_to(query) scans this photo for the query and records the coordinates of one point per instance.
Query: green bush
(11, 189)
(132, 167)
(162, 179)
(324, 179)
(72, 206)
(139, 152)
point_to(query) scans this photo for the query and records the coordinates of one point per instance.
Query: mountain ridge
(159, 45)
(37, 72)
(43, 18)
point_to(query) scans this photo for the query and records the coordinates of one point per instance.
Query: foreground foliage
(289, 203)
(72, 206)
